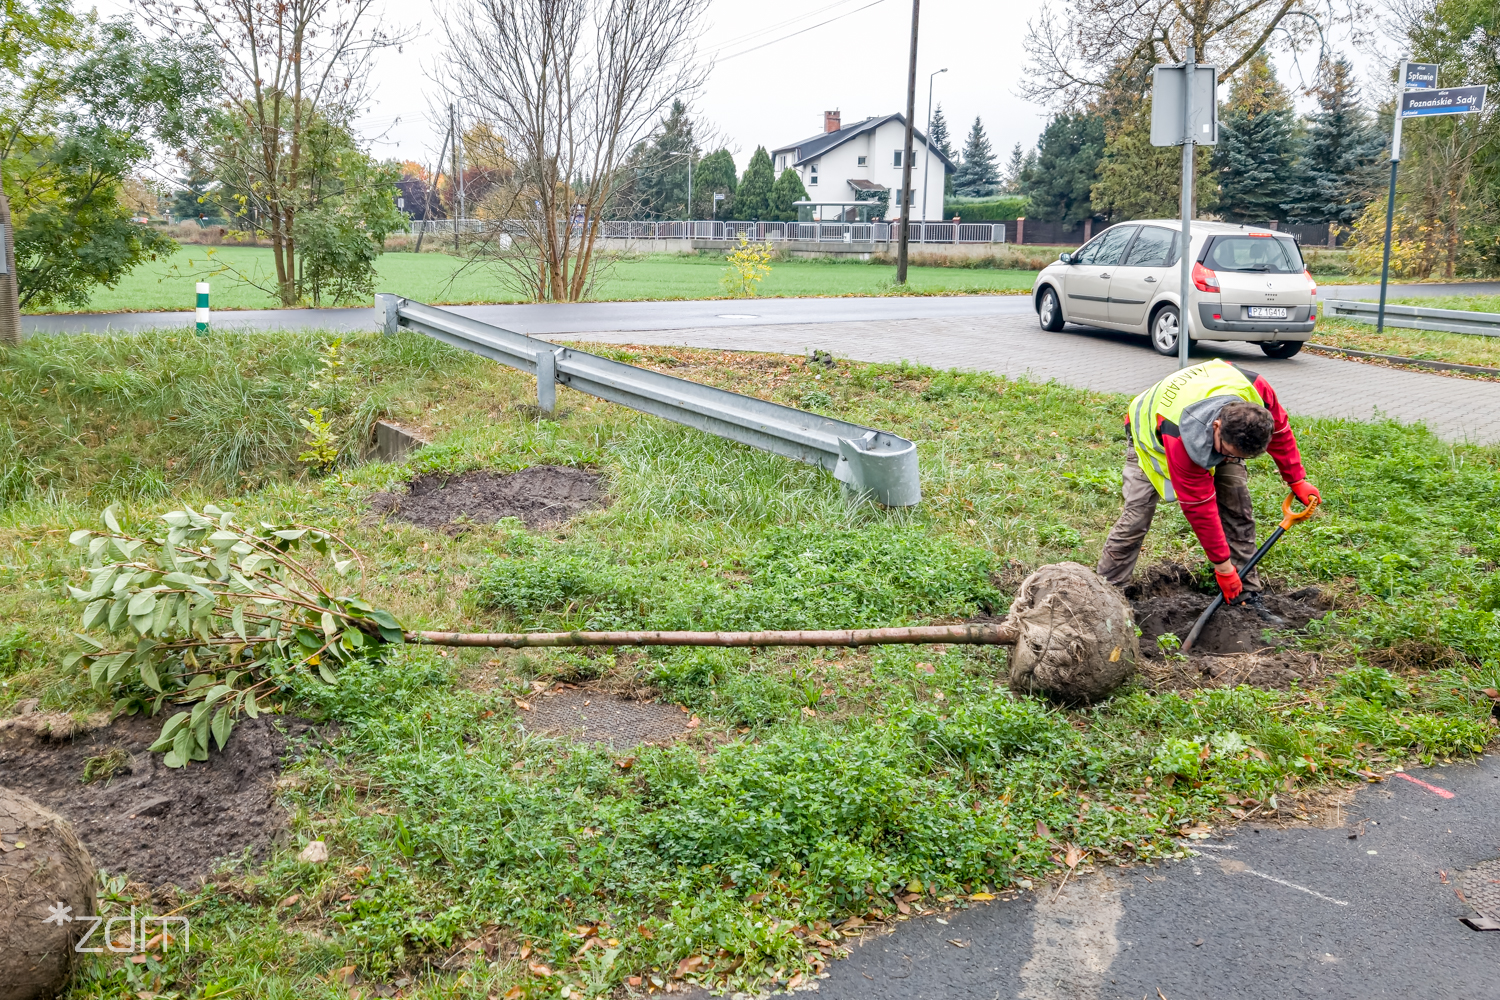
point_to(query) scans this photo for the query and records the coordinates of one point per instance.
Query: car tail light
(1312, 286)
(1204, 280)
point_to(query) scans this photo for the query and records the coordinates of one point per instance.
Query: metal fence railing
(1417, 317)
(803, 232)
(867, 461)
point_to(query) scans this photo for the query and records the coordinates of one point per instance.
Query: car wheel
(1164, 331)
(1281, 348)
(1049, 312)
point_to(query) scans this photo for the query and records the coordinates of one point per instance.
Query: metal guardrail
(866, 460)
(1417, 317)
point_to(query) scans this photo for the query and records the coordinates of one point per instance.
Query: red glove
(1230, 585)
(1307, 494)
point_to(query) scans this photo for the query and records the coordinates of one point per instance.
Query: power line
(730, 43)
(803, 31)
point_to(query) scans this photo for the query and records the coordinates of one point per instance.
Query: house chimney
(831, 121)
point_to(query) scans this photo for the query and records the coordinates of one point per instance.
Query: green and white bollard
(202, 311)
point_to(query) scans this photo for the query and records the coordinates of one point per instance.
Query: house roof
(862, 184)
(816, 146)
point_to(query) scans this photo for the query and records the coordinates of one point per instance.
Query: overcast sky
(849, 55)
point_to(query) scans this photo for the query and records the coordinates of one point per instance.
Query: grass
(911, 770)
(168, 284)
(1428, 345)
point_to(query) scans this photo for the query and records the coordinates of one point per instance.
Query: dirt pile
(540, 496)
(1166, 598)
(1076, 641)
(1273, 669)
(158, 824)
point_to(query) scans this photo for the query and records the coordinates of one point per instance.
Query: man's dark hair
(1246, 427)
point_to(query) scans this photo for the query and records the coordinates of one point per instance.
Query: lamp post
(927, 146)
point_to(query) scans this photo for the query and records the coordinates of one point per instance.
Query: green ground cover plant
(168, 284)
(820, 783)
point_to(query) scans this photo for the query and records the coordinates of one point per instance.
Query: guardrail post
(386, 313)
(546, 381)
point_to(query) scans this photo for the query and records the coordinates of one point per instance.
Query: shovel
(1287, 520)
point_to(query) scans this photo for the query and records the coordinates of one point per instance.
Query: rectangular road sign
(1420, 76)
(1456, 101)
(1166, 106)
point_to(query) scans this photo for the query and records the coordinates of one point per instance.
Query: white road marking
(1294, 885)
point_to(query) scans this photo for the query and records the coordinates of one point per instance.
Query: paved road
(988, 333)
(581, 317)
(1261, 914)
(575, 317)
(1013, 345)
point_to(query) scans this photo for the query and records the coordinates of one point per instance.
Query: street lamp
(689, 155)
(927, 146)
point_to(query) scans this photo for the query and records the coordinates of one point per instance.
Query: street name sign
(1454, 101)
(1421, 76)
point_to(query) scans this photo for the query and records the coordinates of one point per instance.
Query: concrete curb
(1442, 366)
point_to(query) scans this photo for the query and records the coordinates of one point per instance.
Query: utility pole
(456, 162)
(927, 146)
(1185, 264)
(911, 112)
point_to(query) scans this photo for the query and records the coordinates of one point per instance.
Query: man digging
(1189, 436)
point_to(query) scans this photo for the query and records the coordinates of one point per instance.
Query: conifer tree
(1340, 169)
(753, 198)
(714, 174)
(1057, 184)
(1015, 167)
(785, 193)
(977, 177)
(939, 139)
(1257, 148)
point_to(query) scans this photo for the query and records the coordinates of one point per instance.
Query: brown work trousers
(1236, 513)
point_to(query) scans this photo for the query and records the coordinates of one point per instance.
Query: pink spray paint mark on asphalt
(1434, 789)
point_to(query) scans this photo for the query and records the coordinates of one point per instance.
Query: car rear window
(1154, 247)
(1263, 254)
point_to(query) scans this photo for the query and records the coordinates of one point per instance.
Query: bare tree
(569, 87)
(293, 75)
(1100, 41)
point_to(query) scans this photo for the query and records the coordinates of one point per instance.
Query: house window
(812, 176)
(896, 158)
(864, 161)
(781, 162)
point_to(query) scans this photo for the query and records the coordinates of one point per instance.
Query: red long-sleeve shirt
(1194, 484)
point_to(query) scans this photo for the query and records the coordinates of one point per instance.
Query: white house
(847, 164)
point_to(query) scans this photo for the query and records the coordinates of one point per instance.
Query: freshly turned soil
(159, 825)
(541, 496)
(1166, 598)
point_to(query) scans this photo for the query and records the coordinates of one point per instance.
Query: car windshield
(1269, 254)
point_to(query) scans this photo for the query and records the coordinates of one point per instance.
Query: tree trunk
(1003, 634)
(10, 292)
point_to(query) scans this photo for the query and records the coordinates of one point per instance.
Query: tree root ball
(1077, 641)
(42, 865)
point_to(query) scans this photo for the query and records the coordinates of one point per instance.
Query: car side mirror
(1065, 258)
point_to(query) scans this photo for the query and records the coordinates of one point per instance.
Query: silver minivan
(1249, 283)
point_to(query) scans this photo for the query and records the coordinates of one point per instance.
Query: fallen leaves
(524, 706)
(539, 969)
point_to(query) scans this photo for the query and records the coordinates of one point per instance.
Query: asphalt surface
(591, 317)
(1260, 913)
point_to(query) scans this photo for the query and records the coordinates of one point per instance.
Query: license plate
(1266, 312)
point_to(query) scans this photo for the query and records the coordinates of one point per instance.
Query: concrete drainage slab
(1480, 888)
(597, 717)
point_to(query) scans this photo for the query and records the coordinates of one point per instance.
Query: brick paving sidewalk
(1461, 410)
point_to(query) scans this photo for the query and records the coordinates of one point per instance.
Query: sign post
(1418, 96)
(1185, 112)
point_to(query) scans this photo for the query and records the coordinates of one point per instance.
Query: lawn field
(238, 276)
(470, 859)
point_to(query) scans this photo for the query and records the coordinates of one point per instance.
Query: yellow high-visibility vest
(1167, 399)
